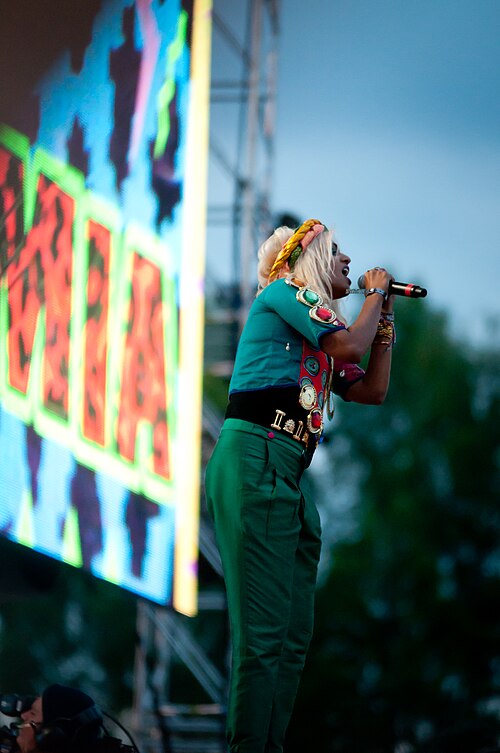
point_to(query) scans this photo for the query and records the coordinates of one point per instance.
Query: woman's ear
(285, 269)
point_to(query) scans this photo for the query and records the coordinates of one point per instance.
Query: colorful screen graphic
(102, 223)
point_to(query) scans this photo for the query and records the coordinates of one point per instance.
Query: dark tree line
(61, 624)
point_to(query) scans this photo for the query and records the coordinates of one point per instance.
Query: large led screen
(103, 153)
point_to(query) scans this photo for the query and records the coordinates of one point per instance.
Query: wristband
(376, 290)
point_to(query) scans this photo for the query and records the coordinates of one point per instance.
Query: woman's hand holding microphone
(377, 283)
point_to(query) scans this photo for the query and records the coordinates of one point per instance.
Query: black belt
(277, 409)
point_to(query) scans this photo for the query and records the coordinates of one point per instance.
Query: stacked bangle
(386, 332)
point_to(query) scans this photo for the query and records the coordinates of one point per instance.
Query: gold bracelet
(385, 334)
(385, 329)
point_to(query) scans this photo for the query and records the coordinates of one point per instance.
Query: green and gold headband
(295, 245)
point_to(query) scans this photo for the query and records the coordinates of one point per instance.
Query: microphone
(400, 288)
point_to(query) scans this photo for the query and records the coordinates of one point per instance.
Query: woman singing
(294, 352)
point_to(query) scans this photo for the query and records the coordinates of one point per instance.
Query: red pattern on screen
(11, 190)
(39, 274)
(143, 389)
(96, 340)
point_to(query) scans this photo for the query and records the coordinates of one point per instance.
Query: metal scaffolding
(243, 101)
(243, 104)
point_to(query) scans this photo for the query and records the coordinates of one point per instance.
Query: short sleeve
(302, 309)
(344, 375)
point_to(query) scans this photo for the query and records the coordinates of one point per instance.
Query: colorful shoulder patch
(317, 311)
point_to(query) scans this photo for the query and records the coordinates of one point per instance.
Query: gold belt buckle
(297, 432)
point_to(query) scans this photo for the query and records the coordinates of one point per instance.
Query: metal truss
(243, 100)
(171, 646)
(242, 116)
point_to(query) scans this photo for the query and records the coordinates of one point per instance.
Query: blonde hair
(315, 267)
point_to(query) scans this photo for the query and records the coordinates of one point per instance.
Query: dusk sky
(388, 129)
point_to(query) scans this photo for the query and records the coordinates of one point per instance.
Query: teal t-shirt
(270, 350)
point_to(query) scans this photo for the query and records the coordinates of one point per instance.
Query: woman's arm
(372, 388)
(352, 343)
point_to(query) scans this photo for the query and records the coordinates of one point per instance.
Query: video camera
(13, 705)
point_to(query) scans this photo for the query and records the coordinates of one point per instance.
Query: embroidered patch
(312, 365)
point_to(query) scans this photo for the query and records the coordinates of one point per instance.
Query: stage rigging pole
(242, 151)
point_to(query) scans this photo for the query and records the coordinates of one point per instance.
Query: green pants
(268, 536)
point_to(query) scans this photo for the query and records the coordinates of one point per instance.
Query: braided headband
(295, 245)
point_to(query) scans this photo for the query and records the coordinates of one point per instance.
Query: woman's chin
(340, 291)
